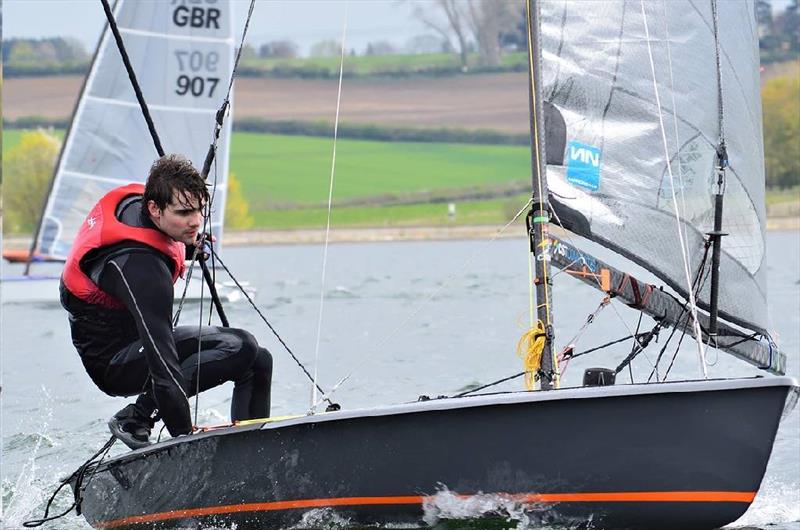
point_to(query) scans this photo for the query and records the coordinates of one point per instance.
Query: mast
(539, 216)
(722, 162)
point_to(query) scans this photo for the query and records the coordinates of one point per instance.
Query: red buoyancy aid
(101, 229)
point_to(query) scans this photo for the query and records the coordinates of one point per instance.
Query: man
(117, 286)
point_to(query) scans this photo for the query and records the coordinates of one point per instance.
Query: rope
(530, 348)
(413, 313)
(207, 276)
(272, 329)
(495, 383)
(568, 355)
(78, 476)
(132, 76)
(684, 246)
(720, 109)
(330, 209)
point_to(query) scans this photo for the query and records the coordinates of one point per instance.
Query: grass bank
(285, 180)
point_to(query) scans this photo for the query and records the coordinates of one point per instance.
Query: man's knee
(262, 365)
(248, 347)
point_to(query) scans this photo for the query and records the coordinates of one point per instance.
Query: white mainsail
(182, 54)
(597, 73)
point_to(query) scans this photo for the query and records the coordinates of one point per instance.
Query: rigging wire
(697, 285)
(563, 359)
(413, 313)
(271, 328)
(211, 156)
(683, 244)
(330, 209)
(585, 263)
(639, 338)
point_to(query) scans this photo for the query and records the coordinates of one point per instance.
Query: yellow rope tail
(529, 348)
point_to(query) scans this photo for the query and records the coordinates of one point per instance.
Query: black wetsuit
(136, 351)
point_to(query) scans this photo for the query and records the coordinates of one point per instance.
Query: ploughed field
(492, 101)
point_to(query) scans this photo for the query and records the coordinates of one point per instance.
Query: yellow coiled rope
(530, 348)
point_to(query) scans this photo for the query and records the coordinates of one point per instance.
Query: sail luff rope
(675, 127)
(720, 109)
(328, 221)
(684, 246)
(432, 295)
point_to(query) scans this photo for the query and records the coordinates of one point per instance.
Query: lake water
(405, 319)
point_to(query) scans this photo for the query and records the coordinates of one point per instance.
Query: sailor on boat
(117, 286)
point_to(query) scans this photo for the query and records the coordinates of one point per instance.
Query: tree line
(476, 32)
(779, 35)
(49, 56)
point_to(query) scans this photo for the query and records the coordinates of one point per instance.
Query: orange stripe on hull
(638, 496)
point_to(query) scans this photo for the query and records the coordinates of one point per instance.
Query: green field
(296, 169)
(285, 179)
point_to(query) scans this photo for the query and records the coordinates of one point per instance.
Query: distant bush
(781, 104)
(380, 133)
(35, 122)
(354, 131)
(27, 169)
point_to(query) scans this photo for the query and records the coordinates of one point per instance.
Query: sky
(303, 21)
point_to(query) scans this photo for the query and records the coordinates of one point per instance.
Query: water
(403, 319)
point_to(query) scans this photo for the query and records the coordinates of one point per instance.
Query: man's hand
(203, 244)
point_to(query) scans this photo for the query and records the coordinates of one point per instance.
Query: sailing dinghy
(184, 73)
(653, 119)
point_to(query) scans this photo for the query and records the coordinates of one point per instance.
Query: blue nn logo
(583, 166)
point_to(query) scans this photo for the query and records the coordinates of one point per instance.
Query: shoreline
(304, 236)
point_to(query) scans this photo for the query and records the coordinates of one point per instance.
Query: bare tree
(483, 20)
(488, 20)
(455, 24)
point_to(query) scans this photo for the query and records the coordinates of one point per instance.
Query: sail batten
(614, 184)
(183, 66)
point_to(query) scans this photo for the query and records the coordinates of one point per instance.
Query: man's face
(181, 219)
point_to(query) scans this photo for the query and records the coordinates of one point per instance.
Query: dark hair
(172, 174)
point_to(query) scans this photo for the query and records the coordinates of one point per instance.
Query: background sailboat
(183, 65)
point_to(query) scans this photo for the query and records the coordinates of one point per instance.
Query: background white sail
(182, 53)
(597, 72)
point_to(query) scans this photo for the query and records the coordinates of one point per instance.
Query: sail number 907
(196, 62)
(196, 85)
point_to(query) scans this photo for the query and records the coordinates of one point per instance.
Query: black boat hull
(675, 455)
